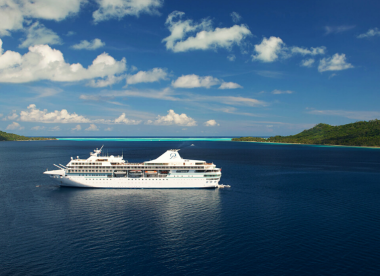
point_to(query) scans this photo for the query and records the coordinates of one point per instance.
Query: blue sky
(186, 68)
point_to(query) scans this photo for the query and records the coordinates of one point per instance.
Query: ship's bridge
(97, 160)
(172, 157)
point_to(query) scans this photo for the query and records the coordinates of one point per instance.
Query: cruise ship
(169, 170)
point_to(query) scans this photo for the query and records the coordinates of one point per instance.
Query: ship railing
(155, 176)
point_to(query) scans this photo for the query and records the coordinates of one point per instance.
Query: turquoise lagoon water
(135, 139)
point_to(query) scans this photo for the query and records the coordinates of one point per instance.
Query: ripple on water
(289, 211)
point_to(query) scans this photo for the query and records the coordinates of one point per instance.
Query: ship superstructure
(167, 171)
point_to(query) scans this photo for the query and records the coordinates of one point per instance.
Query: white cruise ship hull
(169, 171)
(136, 183)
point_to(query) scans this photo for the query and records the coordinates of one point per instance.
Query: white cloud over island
(173, 118)
(92, 127)
(211, 123)
(14, 126)
(33, 114)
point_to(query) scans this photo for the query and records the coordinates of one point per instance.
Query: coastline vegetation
(361, 133)
(4, 136)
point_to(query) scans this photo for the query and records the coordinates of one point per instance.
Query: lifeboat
(151, 172)
(118, 172)
(135, 173)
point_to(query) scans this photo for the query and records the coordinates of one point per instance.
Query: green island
(361, 133)
(4, 136)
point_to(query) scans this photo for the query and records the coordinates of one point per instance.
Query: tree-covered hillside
(4, 136)
(355, 134)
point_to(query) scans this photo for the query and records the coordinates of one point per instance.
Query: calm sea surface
(291, 210)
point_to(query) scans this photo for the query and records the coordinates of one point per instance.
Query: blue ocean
(291, 210)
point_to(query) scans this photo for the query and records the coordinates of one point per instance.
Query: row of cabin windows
(178, 171)
(134, 168)
(146, 164)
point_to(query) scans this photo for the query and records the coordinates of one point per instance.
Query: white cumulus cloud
(231, 57)
(211, 123)
(338, 29)
(123, 120)
(50, 9)
(107, 81)
(11, 17)
(77, 128)
(273, 48)
(307, 62)
(89, 45)
(109, 9)
(312, 51)
(335, 63)
(230, 85)
(277, 92)
(14, 126)
(269, 49)
(45, 63)
(235, 17)
(153, 75)
(206, 37)
(13, 13)
(173, 118)
(92, 127)
(194, 81)
(370, 33)
(56, 128)
(12, 116)
(38, 34)
(33, 114)
(38, 128)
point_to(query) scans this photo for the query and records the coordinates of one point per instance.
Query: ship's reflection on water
(170, 224)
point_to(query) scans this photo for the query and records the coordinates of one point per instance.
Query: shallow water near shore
(291, 210)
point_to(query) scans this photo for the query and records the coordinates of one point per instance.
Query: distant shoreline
(29, 140)
(324, 145)
(188, 139)
(148, 139)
